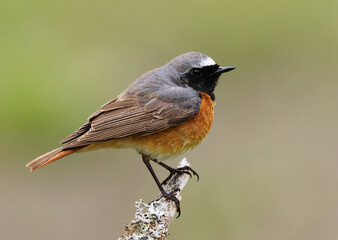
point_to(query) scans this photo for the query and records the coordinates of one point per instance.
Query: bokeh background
(269, 165)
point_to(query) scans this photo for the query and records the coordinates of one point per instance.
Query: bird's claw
(171, 196)
(181, 170)
(189, 169)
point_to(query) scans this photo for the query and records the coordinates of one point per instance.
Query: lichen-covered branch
(152, 220)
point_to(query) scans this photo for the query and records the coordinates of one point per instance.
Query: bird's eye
(196, 72)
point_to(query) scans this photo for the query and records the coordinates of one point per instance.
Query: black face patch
(201, 79)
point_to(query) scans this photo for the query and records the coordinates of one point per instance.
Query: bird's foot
(171, 196)
(181, 170)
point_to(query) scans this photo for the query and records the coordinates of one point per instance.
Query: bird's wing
(132, 116)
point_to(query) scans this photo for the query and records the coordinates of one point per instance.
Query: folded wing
(130, 116)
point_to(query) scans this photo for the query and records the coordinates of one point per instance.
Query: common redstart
(165, 112)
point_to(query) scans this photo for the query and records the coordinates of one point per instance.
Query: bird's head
(199, 71)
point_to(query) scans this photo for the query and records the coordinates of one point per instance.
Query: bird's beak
(221, 70)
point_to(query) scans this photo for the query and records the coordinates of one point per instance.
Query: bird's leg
(173, 171)
(171, 196)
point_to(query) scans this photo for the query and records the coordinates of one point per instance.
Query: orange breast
(180, 138)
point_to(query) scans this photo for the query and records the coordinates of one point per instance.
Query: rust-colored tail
(50, 157)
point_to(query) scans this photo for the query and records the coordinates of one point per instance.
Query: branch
(152, 220)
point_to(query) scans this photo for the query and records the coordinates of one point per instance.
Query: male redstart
(166, 111)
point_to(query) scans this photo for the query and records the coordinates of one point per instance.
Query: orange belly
(171, 141)
(181, 138)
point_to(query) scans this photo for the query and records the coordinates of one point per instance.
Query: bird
(165, 112)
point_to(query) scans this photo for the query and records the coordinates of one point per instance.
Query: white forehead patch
(207, 62)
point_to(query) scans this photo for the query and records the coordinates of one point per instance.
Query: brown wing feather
(129, 117)
(82, 130)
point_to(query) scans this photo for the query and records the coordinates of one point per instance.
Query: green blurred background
(269, 165)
